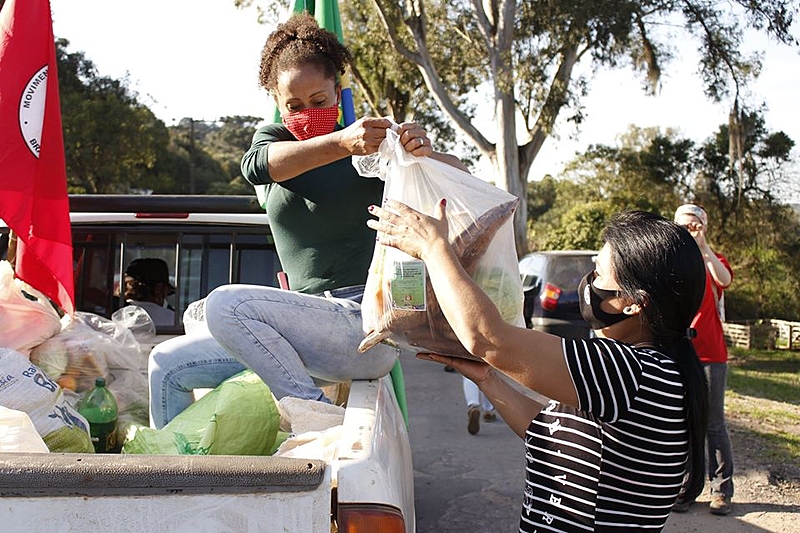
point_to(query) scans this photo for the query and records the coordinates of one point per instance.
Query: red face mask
(312, 121)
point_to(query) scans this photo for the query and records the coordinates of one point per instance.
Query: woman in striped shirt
(625, 421)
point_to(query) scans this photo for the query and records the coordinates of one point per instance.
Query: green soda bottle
(99, 408)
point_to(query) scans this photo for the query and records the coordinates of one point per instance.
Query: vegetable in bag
(399, 304)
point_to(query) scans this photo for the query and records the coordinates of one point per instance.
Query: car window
(96, 273)
(567, 271)
(199, 260)
(530, 269)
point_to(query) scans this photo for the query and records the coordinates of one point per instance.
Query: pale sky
(199, 59)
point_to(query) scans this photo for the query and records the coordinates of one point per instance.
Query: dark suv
(550, 283)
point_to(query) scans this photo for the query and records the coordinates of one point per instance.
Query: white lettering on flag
(31, 110)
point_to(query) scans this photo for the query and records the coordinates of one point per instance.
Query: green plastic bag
(239, 417)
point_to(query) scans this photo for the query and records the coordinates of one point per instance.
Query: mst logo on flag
(31, 110)
(33, 176)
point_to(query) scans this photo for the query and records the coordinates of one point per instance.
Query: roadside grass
(770, 374)
(764, 396)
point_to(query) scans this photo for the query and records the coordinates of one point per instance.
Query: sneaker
(682, 505)
(474, 416)
(720, 505)
(489, 416)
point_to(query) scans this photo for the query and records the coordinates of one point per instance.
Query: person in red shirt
(710, 347)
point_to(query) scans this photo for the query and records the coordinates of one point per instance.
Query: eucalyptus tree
(762, 171)
(527, 51)
(521, 58)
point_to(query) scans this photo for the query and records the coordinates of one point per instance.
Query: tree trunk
(506, 164)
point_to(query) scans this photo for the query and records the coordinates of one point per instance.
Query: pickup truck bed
(170, 494)
(207, 241)
(82, 492)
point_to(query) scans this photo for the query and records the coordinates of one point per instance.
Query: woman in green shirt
(301, 339)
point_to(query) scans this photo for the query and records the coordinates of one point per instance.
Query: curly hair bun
(300, 41)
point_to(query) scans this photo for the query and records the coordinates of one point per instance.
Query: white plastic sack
(25, 387)
(300, 415)
(133, 327)
(18, 434)
(194, 318)
(76, 355)
(91, 346)
(26, 315)
(399, 304)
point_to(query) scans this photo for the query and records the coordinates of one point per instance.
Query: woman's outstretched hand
(475, 371)
(408, 230)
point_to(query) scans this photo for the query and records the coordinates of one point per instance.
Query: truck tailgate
(170, 494)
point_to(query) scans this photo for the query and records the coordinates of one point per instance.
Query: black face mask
(590, 298)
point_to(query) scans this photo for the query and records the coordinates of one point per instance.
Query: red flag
(33, 175)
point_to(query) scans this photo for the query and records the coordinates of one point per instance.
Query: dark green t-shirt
(318, 219)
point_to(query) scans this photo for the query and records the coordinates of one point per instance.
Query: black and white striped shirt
(617, 463)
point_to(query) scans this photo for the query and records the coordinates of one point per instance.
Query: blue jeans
(178, 366)
(294, 342)
(718, 441)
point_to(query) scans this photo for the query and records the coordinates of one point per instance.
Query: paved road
(462, 482)
(474, 483)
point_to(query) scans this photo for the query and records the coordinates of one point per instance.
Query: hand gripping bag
(399, 304)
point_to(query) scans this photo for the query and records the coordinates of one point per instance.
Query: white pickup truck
(208, 241)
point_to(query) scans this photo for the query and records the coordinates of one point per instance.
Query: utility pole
(191, 155)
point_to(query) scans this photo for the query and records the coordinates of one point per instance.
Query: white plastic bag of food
(26, 315)
(399, 305)
(91, 346)
(76, 355)
(25, 387)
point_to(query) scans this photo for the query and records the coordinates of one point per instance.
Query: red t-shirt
(709, 343)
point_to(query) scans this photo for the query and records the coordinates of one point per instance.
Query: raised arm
(278, 159)
(532, 358)
(719, 272)
(289, 159)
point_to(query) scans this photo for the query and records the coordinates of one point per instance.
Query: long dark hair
(658, 265)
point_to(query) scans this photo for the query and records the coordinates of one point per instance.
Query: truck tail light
(366, 518)
(550, 296)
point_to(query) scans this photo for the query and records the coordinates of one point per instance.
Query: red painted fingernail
(444, 202)
(371, 208)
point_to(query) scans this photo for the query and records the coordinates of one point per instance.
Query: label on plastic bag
(407, 285)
